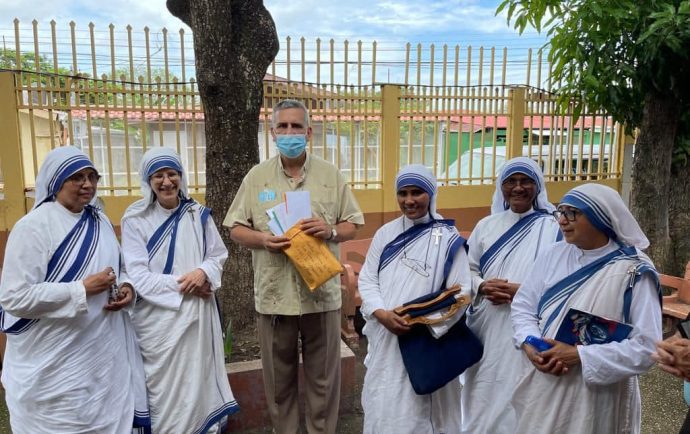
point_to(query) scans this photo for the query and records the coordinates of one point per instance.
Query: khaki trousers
(278, 339)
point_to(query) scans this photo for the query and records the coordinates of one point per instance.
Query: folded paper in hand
(297, 207)
(311, 257)
(294, 208)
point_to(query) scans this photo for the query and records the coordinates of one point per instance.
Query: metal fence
(133, 53)
(453, 110)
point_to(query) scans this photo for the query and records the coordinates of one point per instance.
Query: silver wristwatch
(334, 234)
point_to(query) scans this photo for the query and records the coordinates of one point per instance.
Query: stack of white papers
(296, 206)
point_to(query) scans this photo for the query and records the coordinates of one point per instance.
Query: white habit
(616, 281)
(602, 395)
(180, 335)
(498, 249)
(390, 404)
(76, 369)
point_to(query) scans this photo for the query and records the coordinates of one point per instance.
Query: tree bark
(234, 43)
(649, 200)
(679, 219)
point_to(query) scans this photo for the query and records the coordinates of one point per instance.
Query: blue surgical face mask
(291, 145)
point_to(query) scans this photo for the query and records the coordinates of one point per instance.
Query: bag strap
(462, 300)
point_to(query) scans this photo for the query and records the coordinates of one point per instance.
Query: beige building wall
(44, 139)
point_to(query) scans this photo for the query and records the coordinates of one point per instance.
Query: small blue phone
(538, 343)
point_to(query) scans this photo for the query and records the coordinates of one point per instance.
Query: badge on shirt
(267, 195)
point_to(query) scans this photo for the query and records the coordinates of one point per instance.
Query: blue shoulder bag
(431, 363)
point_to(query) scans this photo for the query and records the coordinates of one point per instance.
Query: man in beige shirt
(287, 310)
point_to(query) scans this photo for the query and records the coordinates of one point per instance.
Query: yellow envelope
(311, 257)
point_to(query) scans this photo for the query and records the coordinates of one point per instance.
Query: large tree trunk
(649, 200)
(679, 219)
(234, 43)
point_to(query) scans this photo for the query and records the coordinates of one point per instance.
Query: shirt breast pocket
(260, 216)
(324, 206)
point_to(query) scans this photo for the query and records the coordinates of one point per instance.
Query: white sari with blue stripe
(503, 245)
(180, 335)
(385, 282)
(70, 366)
(601, 395)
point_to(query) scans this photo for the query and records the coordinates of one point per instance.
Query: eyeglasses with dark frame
(80, 178)
(523, 182)
(570, 214)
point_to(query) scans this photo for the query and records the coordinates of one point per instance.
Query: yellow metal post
(516, 122)
(390, 143)
(13, 205)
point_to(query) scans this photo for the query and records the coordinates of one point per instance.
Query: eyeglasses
(159, 176)
(570, 214)
(514, 182)
(80, 178)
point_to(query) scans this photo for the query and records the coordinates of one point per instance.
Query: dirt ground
(663, 407)
(347, 423)
(245, 345)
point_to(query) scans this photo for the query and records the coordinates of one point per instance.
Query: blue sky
(391, 23)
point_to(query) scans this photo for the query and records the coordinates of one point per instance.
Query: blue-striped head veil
(59, 164)
(152, 161)
(419, 176)
(527, 167)
(606, 211)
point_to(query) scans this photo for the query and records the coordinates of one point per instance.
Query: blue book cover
(582, 328)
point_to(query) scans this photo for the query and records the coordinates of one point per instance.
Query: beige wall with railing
(368, 132)
(375, 107)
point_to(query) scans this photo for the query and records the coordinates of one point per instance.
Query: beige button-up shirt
(278, 287)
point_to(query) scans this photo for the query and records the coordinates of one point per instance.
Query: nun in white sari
(72, 364)
(409, 257)
(502, 250)
(175, 257)
(599, 270)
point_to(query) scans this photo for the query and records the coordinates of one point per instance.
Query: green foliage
(228, 341)
(27, 62)
(609, 53)
(119, 90)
